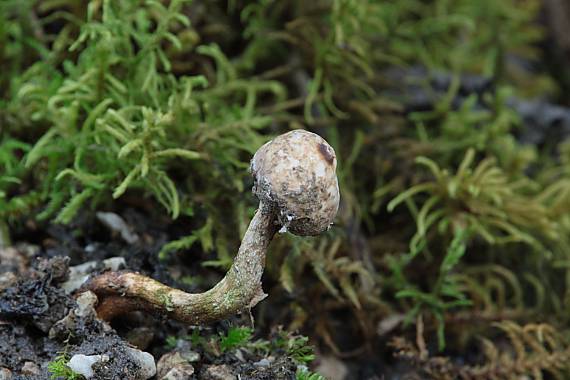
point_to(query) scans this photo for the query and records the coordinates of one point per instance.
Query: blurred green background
(449, 119)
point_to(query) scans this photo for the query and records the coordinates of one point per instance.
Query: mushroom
(296, 184)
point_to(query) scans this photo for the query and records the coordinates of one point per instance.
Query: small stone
(218, 372)
(118, 225)
(5, 374)
(191, 356)
(85, 309)
(179, 361)
(30, 368)
(79, 274)
(179, 372)
(142, 364)
(82, 364)
(86, 304)
(262, 363)
(75, 281)
(332, 368)
(239, 354)
(167, 362)
(144, 361)
(114, 263)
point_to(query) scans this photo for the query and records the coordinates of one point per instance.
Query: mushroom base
(239, 290)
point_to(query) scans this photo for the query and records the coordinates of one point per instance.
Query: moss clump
(58, 369)
(107, 103)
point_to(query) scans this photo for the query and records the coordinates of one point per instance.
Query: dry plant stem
(240, 289)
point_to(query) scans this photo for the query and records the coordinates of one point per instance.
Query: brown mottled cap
(296, 174)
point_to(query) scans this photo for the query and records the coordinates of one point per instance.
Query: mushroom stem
(240, 289)
(296, 184)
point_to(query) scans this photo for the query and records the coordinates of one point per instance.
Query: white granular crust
(296, 173)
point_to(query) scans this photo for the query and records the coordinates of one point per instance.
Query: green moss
(165, 299)
(58, 369)
(167, 101)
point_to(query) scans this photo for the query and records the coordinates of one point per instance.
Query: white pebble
(145, 362)
(82, 364)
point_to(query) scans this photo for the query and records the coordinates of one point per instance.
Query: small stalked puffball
(295, 181)
(295, 174)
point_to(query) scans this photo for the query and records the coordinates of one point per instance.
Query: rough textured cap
(296, 173)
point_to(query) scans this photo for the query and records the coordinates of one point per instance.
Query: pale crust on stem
(239, 290)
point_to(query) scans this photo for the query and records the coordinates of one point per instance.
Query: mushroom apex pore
(295, 173)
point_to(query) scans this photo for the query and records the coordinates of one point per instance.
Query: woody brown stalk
(296, 184)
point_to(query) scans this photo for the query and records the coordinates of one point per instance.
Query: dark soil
(39, 320)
